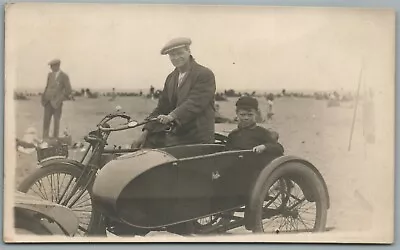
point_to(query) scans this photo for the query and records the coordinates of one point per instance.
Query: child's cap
(247, 102)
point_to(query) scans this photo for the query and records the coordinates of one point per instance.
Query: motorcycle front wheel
(56, 183)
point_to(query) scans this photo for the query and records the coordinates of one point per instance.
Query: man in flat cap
(187, 101)
(58, 89)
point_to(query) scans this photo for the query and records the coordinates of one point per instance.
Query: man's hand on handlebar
(165, 119)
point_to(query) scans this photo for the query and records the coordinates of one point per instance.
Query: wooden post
(355, 108)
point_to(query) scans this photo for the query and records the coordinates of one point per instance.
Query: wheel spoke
(273, 218)
(294, 197)
(302, 222)
(306, 220)
(66, 189)
(81, 202)
(290, 220)
(52, 188)
(303, 208)
(62, 184)
(282, 224)
(40, 195)
(272, 200)
(40, 188)
(58, 186)
(306, 212)
(75, 207)
(296, 225)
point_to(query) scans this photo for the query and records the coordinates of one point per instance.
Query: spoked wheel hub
(292, 214)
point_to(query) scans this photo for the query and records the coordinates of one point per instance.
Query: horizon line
(105, 89)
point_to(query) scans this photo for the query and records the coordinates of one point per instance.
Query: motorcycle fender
(62, 215)
(50, 161)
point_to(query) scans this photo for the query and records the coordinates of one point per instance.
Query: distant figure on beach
(333, 100)
(58, 89)
(270, 104)
(152, 92)
(113, 95)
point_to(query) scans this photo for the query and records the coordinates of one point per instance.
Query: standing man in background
(58, 89)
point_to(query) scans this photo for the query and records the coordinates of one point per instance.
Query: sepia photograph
(198, 123)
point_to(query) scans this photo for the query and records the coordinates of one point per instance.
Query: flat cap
(175, 43)
(247, 102)
(54, 61)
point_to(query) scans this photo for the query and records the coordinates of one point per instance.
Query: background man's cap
(175, 43)
(247, 102)
(55, 61)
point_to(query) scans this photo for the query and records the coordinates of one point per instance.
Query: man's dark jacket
(60, 91)
(191, 104)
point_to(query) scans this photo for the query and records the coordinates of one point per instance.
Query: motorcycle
(186, 189)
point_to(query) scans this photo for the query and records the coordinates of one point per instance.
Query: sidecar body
(154, 188)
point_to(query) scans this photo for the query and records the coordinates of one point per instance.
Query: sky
(104, 46)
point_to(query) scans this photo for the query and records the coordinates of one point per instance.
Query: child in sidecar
(249, 135)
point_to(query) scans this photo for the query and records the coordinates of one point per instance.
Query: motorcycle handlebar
(129, 125)
(112, 116)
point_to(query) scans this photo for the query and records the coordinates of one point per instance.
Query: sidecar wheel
(284, 200)
(54, 183)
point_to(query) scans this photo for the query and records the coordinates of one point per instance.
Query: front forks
(82, 184)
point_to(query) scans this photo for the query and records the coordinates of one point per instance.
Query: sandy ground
(307, 128)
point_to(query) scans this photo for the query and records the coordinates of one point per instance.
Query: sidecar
(175, 188)
(36, 216)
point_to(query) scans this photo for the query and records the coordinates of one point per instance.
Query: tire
(95, 226)
(310, 184)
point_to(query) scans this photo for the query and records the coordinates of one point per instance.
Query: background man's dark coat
(62, 92)
(56, 92)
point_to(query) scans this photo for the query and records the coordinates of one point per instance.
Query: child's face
(246, 117)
